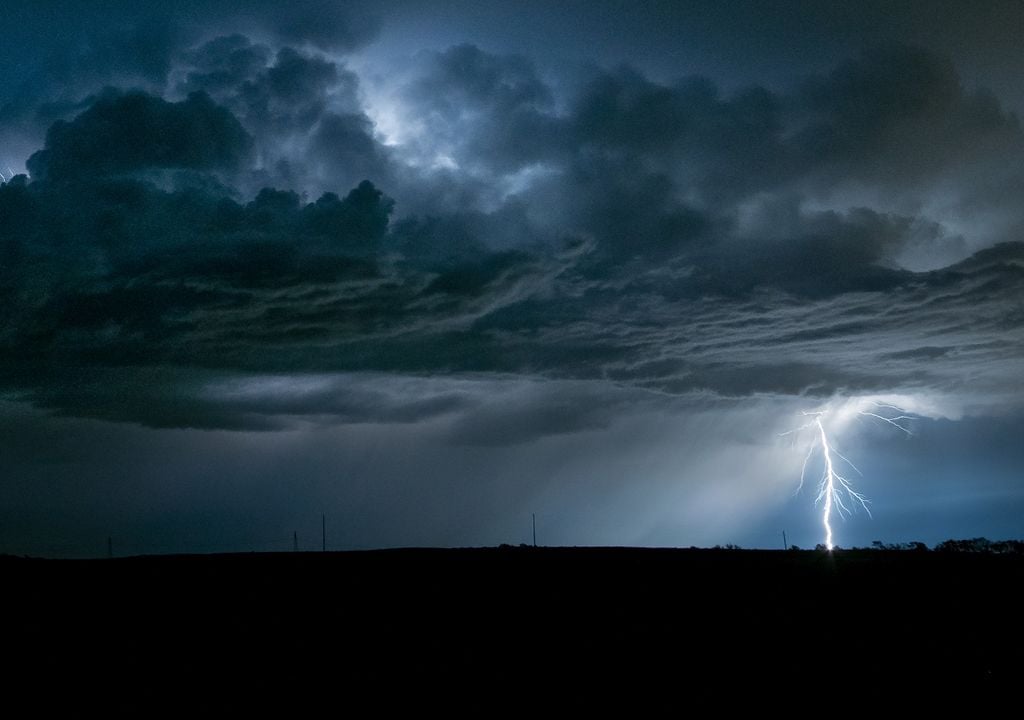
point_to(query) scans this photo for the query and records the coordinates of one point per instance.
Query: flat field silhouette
(214, 631)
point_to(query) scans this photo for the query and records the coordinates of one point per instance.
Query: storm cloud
(262, 223)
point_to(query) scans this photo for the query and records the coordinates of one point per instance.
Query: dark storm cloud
(142, 45)
(646, 165)
(495, 109)
(285, 288)
(292, 93)
(343, 148)
(467, 79)
(123, 133)
(303, 109)
(668, 238)
(223, 64)
(810, 254)
(689, 133)
(899, 116)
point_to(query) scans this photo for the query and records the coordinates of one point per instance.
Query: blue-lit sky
(431, 268)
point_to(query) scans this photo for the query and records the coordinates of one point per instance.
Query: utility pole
(534, 529)
(323, 530)
(785, 545)
(295, 541)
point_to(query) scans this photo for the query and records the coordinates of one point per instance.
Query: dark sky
(429, 268)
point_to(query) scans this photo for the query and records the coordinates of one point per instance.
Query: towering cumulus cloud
(125, 133)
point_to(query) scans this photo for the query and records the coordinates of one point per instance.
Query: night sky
(429, 268)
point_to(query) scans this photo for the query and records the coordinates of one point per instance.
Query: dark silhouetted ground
(499, 625)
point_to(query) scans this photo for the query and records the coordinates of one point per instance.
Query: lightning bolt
(835, 491)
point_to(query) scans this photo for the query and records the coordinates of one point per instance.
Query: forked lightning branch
(835, 491)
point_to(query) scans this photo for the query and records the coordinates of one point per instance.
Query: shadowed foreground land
(225, 628)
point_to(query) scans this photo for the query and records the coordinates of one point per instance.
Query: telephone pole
(323, 530)
(295, 541)
(785, 545)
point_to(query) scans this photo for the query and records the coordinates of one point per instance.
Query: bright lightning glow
(828, 484)
(835, 491)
